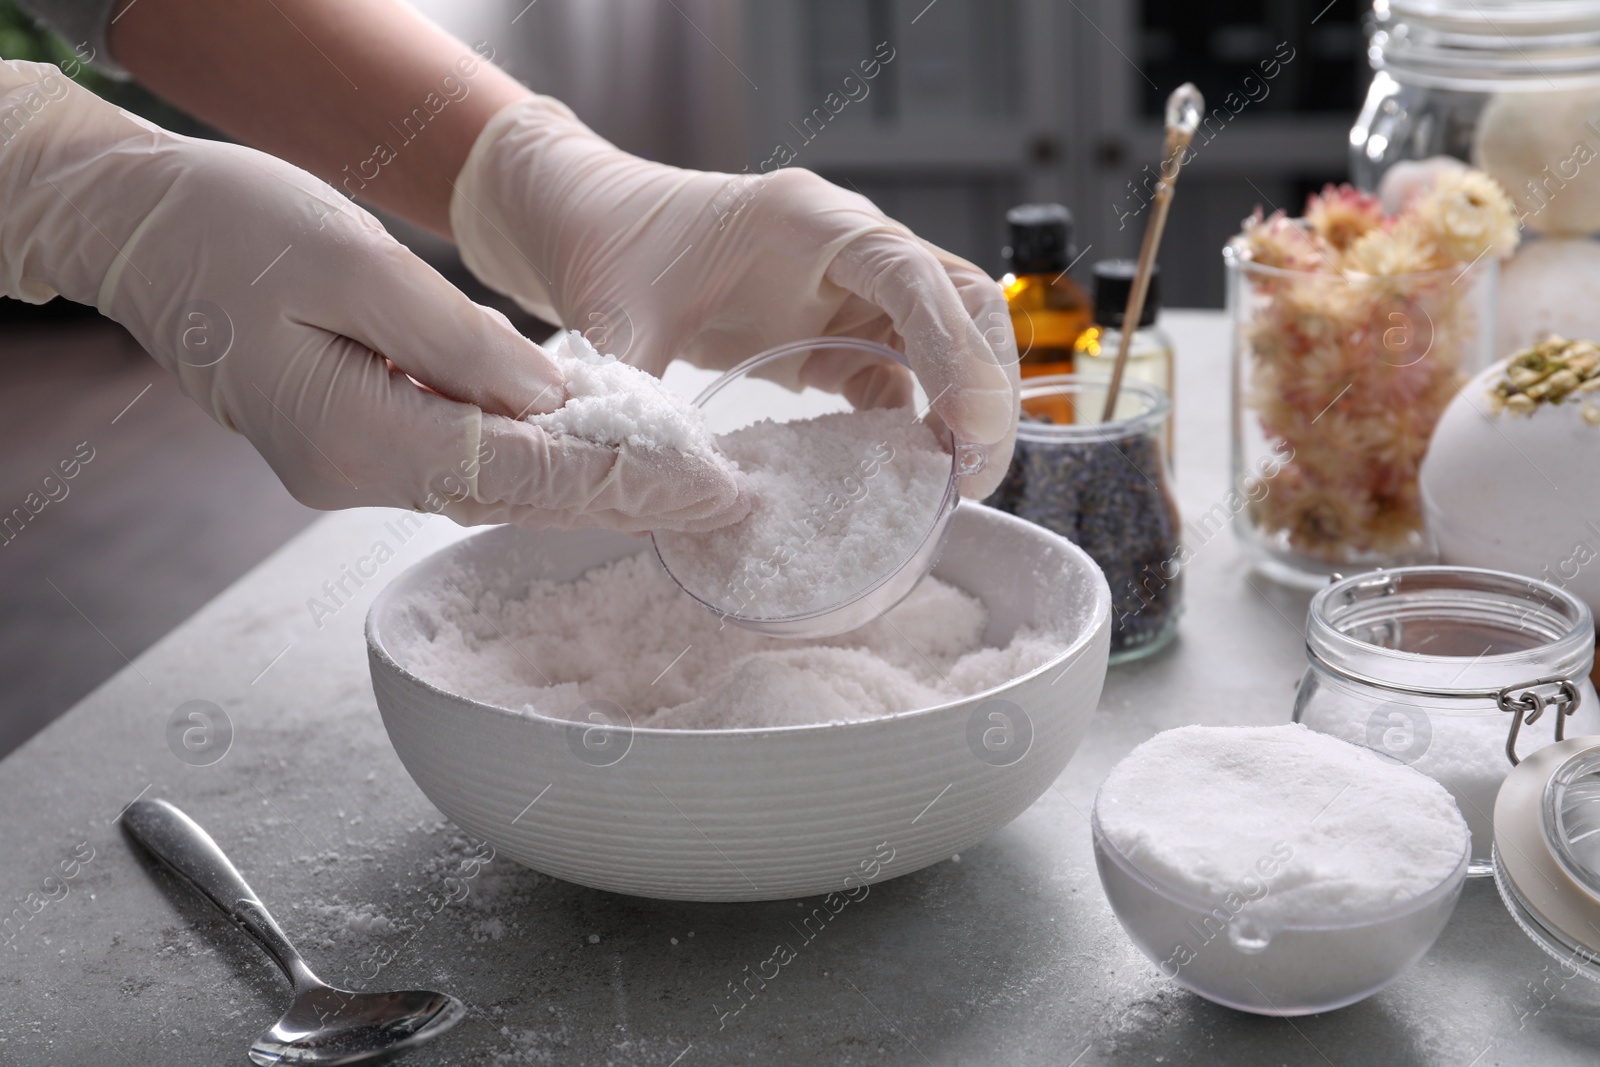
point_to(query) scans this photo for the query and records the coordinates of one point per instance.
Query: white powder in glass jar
(625, 634)
(1277, 869)
(1464, 750)
(1196, 806)
(837, 503)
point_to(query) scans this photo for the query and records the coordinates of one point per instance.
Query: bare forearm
(364, 93)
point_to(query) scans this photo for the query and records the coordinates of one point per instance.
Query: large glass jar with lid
(1511, 87)
(1456, 671)
(1446, 68)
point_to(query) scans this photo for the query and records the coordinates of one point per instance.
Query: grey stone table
(1007, 954)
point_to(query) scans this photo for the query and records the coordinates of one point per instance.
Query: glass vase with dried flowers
(1352, 330)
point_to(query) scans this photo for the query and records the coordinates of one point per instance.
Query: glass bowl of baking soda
(852, 486)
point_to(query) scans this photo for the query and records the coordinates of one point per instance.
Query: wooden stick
(1182, 119)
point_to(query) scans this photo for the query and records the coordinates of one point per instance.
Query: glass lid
(1547, 850)
(1572, 811)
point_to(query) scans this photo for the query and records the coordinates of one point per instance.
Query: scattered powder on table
(624, 633)
(611, 403)
(838, 502)
(1197, 808)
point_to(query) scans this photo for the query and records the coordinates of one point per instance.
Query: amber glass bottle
(1048, 309)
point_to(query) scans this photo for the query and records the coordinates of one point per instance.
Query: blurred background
(984, 104)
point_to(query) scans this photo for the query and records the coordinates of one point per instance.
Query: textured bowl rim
(1099, 619)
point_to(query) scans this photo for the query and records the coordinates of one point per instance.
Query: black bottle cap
(1113, 281)
(1041, 238)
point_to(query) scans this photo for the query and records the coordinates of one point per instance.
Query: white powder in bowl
(1195, 808)
(612, 403)
(1291, 871)
(838, 502)
(624, 633)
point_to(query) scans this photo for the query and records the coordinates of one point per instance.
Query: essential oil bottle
(1048, 309)
(1149, 356)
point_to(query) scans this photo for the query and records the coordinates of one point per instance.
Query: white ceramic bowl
(756, 814)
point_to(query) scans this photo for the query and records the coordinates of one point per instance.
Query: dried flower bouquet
(1356, 329)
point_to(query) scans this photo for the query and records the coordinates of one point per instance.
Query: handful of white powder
(610, 402)
(839, 502)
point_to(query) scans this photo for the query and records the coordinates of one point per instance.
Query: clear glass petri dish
(797, 382)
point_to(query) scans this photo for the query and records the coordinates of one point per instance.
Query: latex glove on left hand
(291, 315)
(714, 268)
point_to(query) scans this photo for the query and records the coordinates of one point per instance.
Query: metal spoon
(324, 1025)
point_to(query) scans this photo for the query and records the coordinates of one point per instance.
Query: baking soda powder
(625, 635)
(1275, 868)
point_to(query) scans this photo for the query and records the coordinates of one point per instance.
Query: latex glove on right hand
(714, 268)
(291, 315)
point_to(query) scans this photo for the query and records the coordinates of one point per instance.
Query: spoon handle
(180, 843)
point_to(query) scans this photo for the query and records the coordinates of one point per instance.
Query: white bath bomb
(1522, 134)
(1517, 493)
(1551, 285)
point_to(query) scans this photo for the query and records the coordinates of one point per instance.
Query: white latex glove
(291, 316)
(663, 263)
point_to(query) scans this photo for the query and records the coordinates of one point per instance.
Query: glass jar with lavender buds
(1104, 486)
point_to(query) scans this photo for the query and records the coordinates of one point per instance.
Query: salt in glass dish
(1432, 666)
(752, 392)
(1246, 964)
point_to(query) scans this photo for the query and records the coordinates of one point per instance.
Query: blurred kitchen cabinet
(986, 103)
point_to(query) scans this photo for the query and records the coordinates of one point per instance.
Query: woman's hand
(292, 316)
(656, 263)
